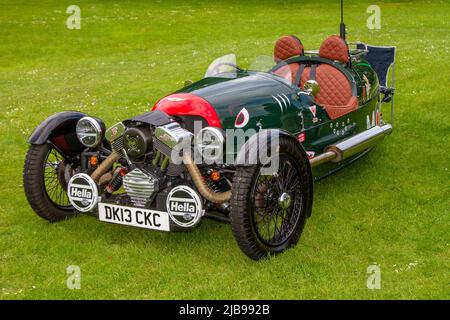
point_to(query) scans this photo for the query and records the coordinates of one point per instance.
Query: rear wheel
(269, 211)
(45, 178)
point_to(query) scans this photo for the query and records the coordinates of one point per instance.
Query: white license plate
(136, 217)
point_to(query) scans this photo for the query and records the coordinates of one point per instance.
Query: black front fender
(60, 130)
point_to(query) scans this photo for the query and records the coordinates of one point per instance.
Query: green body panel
(260, 92)
(253, 91)
(366, 79)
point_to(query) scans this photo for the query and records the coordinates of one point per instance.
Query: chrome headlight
(209, 143)
(90, 131)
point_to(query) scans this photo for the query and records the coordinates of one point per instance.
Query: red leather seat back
(287, 47)
(335, 93)
(335, 48)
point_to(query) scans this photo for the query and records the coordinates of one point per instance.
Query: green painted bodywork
(261, 93)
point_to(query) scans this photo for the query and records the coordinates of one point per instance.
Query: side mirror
(311, 87)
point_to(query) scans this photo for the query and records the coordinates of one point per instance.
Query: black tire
(35, 181)
(246, 199)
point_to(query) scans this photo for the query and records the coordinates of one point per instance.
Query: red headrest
(287, 47)
(334, 48)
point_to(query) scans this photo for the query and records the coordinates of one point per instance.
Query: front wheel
(45, 178)
(269, 211)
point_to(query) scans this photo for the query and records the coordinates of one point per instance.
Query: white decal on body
(371, 122)
(283, 101)
(242, 118)
(279, 103)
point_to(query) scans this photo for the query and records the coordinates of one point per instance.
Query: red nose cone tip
(186, 104)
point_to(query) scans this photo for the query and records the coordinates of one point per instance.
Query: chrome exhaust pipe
(352, 146)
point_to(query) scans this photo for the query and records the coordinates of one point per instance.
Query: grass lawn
(391, 209)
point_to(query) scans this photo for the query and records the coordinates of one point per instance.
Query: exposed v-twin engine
(140, 185)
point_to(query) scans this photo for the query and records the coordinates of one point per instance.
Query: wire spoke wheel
(56, 172)
(277, 203)
(45, 177)
(270, 208)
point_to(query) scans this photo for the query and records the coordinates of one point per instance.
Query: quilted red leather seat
(287, 47)
(335, 89)
(335, 93)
